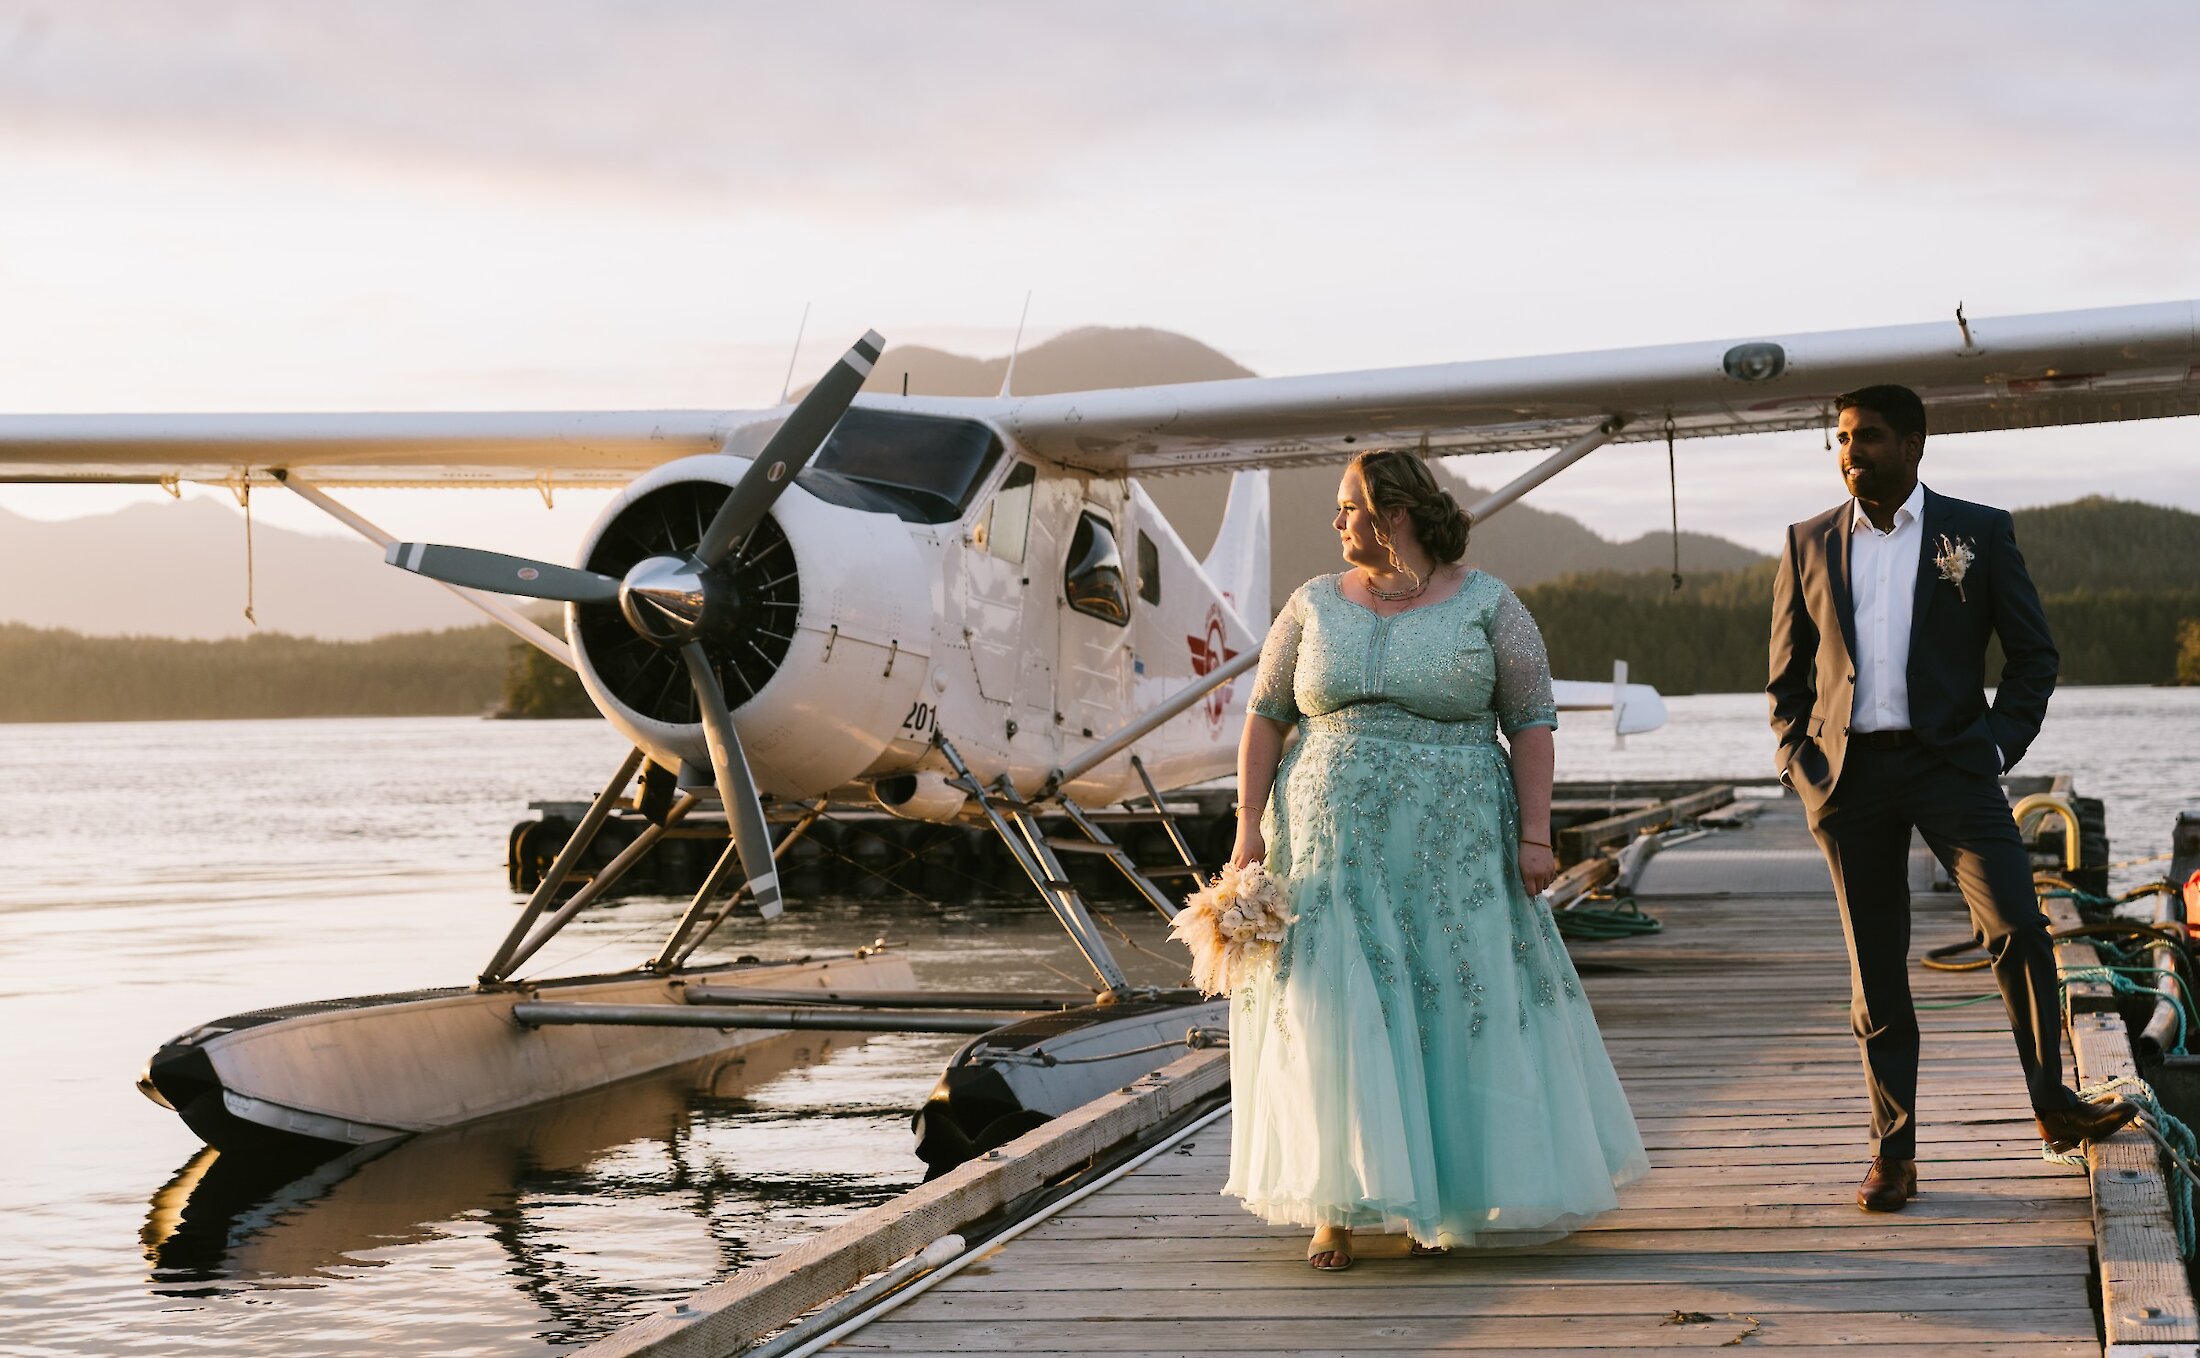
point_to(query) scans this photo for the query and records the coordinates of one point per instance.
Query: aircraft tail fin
(1238, 562)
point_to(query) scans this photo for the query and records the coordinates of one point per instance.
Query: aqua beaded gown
(1421, 1058)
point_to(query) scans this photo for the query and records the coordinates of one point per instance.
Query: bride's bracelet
(1539, 843)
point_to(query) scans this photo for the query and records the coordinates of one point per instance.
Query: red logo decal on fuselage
(1208, 653)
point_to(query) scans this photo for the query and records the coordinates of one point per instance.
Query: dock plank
(1730, 1033)
(2065, 1348)
(2063, 1264)
(1944, 1331)
(1468, 1300)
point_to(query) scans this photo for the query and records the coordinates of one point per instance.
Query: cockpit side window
(1005, 526)
(1149, 569)
(1093, 580)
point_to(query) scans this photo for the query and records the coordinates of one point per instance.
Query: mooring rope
(2119, 980)
(1673, 485)
(2177, 1144)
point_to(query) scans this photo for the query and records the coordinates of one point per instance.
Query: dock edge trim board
(731, 1314)
(2147, 1306)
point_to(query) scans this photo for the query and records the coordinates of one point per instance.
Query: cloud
(761, 101)
(581, 202)
(767, 103)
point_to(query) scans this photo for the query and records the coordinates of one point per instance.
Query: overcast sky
(573, 204)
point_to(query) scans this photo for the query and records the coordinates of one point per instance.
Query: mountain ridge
(178, 570)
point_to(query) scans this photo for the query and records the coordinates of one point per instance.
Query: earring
(1397, 567)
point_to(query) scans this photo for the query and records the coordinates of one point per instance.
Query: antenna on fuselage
(1009, 376)
(800, 326)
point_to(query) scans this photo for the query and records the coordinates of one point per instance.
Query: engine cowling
(821, 651)
(923, 795)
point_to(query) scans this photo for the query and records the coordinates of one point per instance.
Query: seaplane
(954, 609)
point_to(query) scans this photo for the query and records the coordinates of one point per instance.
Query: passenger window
(1007, 522)
(1149, 569)
(1093, 583)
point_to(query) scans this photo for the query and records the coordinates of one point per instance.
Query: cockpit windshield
(920, 468)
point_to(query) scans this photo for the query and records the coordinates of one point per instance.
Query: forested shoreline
(2120, 581)
(1707, 637)
(51, 674)
(1711, 635)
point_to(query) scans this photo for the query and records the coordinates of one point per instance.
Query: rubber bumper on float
(970, 1111)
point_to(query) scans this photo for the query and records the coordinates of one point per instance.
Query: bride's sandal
(1421, 1251)
(1332, 1256)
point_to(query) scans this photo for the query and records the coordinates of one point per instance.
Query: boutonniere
(1954, 561)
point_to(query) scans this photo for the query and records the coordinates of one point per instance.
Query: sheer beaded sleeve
(1523, 697)
(1279, 666)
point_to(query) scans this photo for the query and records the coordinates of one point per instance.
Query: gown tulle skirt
(1421, 1058)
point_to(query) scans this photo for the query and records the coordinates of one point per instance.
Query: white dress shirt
(1883, 586)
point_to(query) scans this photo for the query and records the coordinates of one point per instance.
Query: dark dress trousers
(1863, 800)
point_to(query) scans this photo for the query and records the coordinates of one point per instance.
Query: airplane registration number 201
(918, 724)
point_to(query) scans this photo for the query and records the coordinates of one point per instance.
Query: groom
(1880, 617)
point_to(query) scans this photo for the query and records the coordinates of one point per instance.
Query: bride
(1421, 1057)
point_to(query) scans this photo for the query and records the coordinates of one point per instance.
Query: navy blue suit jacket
(1813, 684)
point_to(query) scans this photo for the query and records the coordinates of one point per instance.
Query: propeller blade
(503, 574)
(736, 786)
(789, 448)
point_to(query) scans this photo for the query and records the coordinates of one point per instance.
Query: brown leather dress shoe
(2073, 1127)
(1888, 1186)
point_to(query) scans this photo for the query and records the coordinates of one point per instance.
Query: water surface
(158, 875)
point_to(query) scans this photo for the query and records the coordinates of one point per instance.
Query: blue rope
(2177, 1142)
(2119, 980)
(1961, 1004)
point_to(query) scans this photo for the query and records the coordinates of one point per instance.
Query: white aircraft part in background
(1640, 709)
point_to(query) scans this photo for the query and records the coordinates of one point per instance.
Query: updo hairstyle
(1398, 478)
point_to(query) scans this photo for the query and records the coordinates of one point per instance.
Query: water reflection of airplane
(954, 608)
(667, 1147)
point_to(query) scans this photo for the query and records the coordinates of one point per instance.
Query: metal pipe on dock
(536, 1014)
(805, 1336)
(2165, 1028)
(861, 1317)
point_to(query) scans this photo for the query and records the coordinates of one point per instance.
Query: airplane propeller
(675, 601)
(503, 574)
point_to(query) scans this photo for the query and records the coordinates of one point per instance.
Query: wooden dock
(1730, 1031)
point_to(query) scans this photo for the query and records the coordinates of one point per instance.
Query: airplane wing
(2071, 367)
(469, 448)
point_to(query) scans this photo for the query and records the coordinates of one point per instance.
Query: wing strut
(1547, 468)
(1132, 732)
(549, 644)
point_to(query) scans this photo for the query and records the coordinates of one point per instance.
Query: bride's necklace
(1367, 579)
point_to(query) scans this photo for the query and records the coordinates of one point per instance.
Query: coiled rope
(1590, 924)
